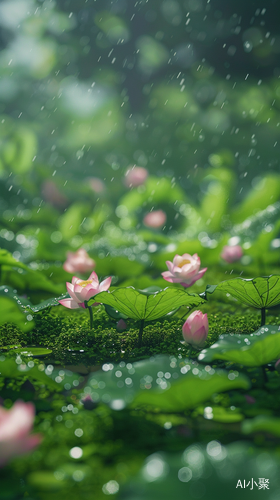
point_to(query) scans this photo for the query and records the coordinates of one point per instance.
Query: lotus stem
(190, 352)
(90, 317)
(188, 311)
(90, 314)
(265, 379)
(140, 333)
(263, 316)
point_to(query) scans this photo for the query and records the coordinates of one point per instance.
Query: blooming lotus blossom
(185, 269)
(78, 262)
(135, 176)
(232, 253)
(15, 427)
(81, 290)
(155, 219)
(195, 329)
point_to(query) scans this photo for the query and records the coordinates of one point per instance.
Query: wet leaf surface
(255, 349)
(261, 292)
(168, 383)
(137, 305)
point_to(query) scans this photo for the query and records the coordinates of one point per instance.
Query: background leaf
(10, 313)
(212, 468)
(262, 423)
(6, 259)
(168, 383)
(11, 369)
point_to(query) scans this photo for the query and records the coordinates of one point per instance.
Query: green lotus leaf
(261, 292)
(262, 423)
(168, 383)
(220, 414)
(48, 303)
(191, 390)
(211, 471)
(11, 369)
(33, 351)
(137, 305)
(25, 304)
(11, 313)
(255, 349)
(6, 259)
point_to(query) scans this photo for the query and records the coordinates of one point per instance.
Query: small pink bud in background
(232, 253)
(78, 262)
(195, 329)
(97, 185)
(185, 269)
(88, 402)
(15, 427)
(249, 399)
(155, 219)
(52, 195)
(135, 176)
(121, 325)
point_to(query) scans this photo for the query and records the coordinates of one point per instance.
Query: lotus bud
(195, 329)
(135, 176)
(156, 218)
(78, 262)
(232, 253)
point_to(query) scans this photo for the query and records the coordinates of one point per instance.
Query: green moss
(68, 335)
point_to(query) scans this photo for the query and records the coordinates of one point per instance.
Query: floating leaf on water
(255, 349)
(33, 351)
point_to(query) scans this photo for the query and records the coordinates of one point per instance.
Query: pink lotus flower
(184, 270)
(135, 176)
(15, 427)
(232, 253)
(195, 329)
(78, 262)
(81, 290)
(155, 219)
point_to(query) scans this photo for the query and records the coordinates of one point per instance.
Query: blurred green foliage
(190, 91)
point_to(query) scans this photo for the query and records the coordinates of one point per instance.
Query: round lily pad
(33, 351)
